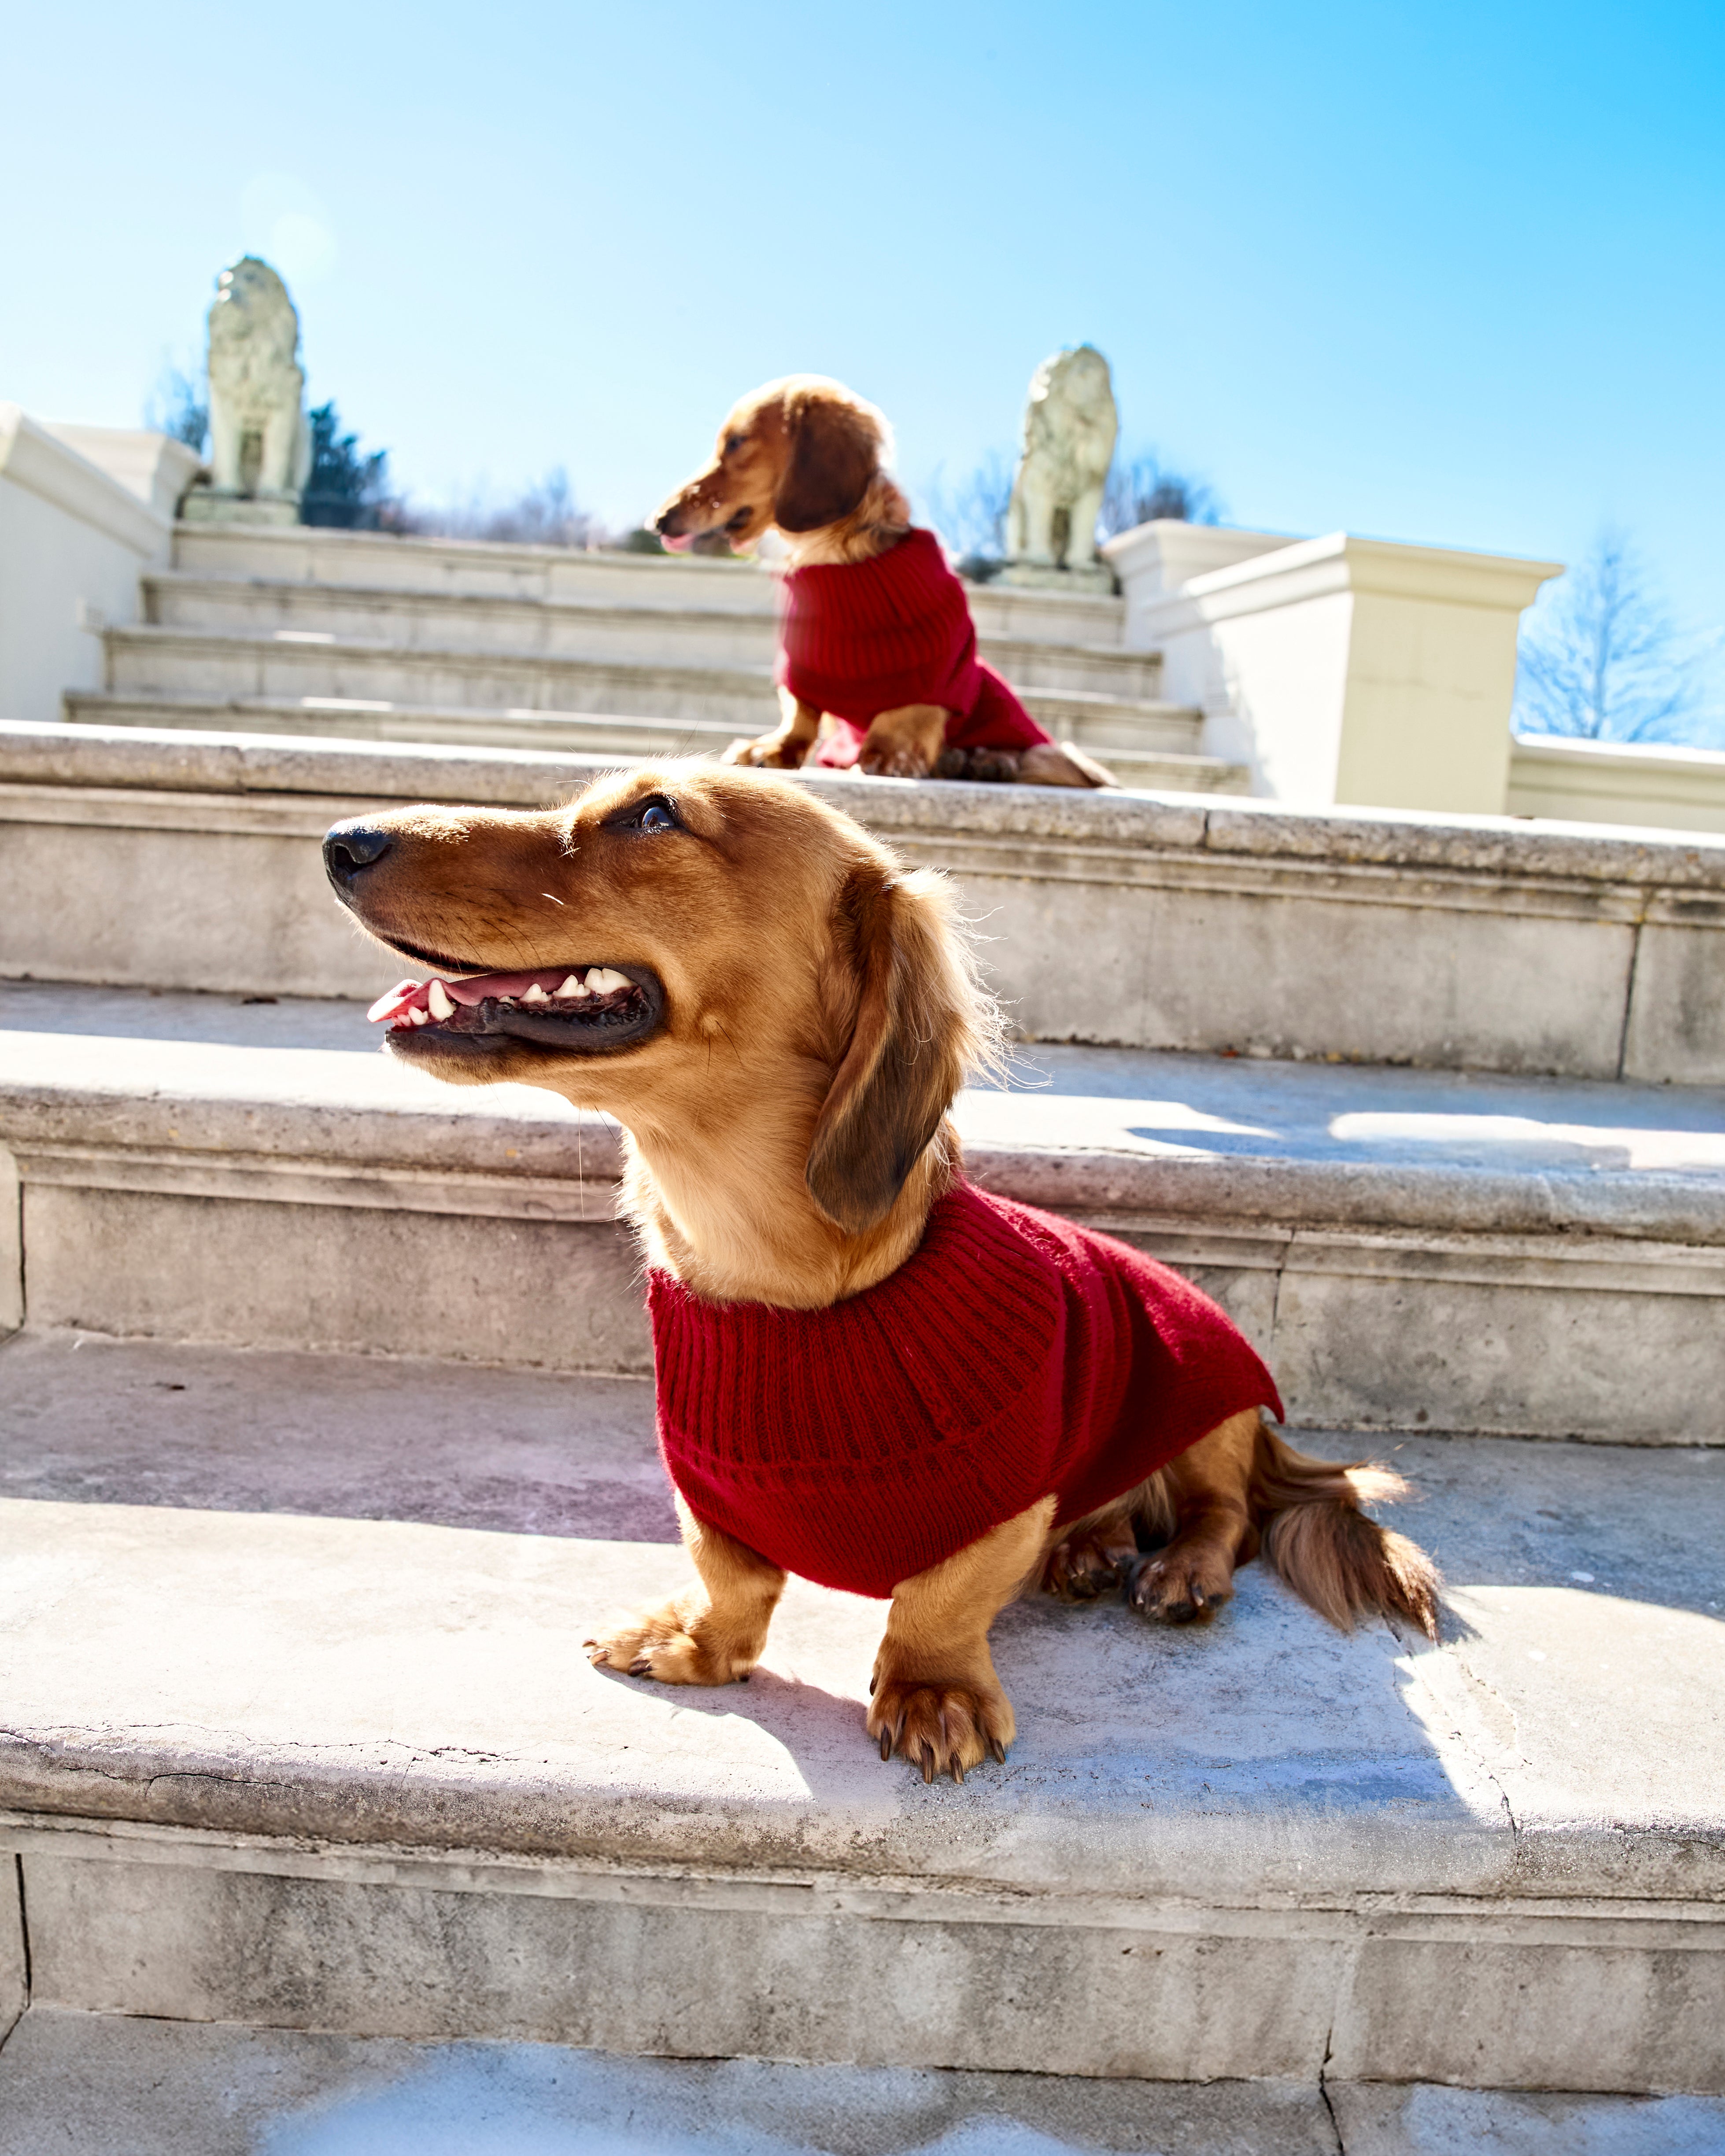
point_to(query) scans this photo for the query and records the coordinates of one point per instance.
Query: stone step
(101, 2084)
(1138, 740)
(176, 859)
(475, 569)
(1407, 1249)
(636, 669)
(299, 1735)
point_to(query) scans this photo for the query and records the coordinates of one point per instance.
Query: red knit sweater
(860, 638)
(1014, 1355)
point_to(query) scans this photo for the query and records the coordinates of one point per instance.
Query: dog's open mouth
(578, 1010)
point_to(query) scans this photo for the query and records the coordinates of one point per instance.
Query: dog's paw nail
(744, 1677)
(886, 1744)
(641, 1666)
(958, 1771)
(928, 1767)
(999, 1750)
(873, 1682)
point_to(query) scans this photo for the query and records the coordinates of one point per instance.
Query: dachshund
(780, 1015)
(806, 456)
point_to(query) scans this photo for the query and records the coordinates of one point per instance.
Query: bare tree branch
(1143, 487)
(547, 515)
(970, 516)
(1599, 660)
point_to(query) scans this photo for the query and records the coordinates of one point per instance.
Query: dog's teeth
(417, 1017)
(574, 986)
(603, 980)
(439, 1001)
(534, 995)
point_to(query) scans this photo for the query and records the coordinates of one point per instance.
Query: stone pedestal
(210, 505)
(1093, 577)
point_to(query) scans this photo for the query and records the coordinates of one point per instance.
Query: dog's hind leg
(709, 1634)
(905, 742)
(1093, 1555)
(1208, 1487)
(935, 1697)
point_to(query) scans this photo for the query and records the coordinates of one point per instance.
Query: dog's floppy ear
(920, 1023)
(834, 454)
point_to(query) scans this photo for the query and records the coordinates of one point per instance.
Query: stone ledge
(348, 1109)
(1500, 847)
(1539, 1258)
(168, 2088)
(375, 1741)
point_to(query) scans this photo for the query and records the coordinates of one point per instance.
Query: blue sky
(1449, 273)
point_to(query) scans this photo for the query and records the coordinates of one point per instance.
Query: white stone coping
(1675, 757)
(1497, 847)
(37, 459)
(1339, 562)
(153, 466)
(1166, 552)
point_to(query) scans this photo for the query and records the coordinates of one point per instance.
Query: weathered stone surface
(163, 857)
(1473, 1253)
(1207, 1851)
(166, 2088)
(96, 2084)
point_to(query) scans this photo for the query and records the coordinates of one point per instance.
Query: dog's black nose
(351, 847)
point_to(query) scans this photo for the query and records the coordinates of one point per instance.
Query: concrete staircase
(325, 1436)
(535, 647)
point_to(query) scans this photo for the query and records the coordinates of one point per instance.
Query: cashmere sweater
(1014, 1355)
(860, 638)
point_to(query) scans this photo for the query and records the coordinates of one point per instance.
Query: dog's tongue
(680, 544)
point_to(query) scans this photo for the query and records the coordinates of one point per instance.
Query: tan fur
(934, 1695)
(805, 454)
(712, 1633)
(786, 1135)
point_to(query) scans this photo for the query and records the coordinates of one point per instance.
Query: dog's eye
(733, 443)
(655, 815)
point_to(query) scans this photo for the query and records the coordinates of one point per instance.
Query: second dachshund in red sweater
(877, 667)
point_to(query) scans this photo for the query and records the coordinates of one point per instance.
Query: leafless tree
(1142, 487)
(547, 515)
(971, 515)
(179, 405)
(1598, 658)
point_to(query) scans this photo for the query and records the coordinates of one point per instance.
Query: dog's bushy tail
(1316, 1537)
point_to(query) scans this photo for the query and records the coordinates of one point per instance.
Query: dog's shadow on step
(821, 1731)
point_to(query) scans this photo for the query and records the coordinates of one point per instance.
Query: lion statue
(1069, 427)
(259, 442)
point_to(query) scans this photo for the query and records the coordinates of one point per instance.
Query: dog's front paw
(668, 1643)
(942, 1726)
(779, 750)
(1180, 1587)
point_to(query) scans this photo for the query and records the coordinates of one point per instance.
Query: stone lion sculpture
(1069, 427)
(259, 441)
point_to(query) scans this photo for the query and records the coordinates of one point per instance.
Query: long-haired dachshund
(869, 1371)
(877, 664)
